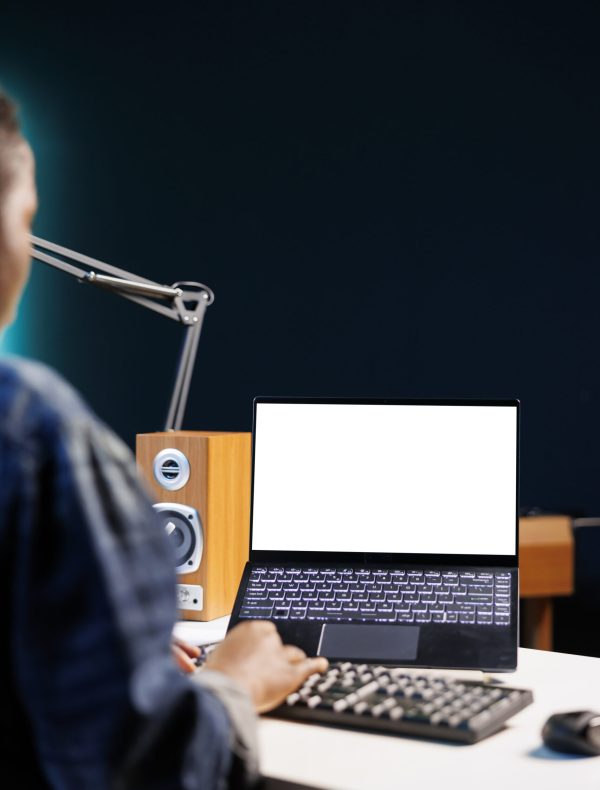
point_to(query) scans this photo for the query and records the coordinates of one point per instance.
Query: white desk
(515, 758)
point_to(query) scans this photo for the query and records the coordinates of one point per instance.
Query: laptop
(386, 531)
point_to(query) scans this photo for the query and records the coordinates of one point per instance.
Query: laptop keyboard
(383, 596)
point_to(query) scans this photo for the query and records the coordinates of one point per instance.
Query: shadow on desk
(542, 752)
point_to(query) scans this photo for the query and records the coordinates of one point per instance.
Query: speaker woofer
(184, 530)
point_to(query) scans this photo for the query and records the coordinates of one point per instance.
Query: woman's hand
(254, 656)
(184, 654)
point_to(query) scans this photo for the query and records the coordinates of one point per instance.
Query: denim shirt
(90, 696)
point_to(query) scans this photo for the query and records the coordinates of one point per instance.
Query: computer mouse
(577, 732)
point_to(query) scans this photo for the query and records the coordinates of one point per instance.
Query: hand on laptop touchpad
(369, 642)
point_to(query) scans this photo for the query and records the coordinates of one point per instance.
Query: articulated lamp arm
(188, 303)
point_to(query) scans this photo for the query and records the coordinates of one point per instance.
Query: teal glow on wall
(16, 339)
(24, 336)
(31, 335)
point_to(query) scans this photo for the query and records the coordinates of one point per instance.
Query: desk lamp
(206, 473)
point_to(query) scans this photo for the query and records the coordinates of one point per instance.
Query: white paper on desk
(202, 633)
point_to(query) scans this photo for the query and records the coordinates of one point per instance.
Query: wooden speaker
(201, 483)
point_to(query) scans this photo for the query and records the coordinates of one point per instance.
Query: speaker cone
(184, 531)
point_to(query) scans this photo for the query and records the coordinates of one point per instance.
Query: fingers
(309, 666)
(184, 662)
(294, 654)
(318, 664)
(191, 650)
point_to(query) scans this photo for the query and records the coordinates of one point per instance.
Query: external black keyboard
(384, 596)
(401, 702)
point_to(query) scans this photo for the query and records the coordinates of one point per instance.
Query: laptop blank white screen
(389, 478)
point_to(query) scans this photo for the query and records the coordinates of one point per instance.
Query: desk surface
(325, 757)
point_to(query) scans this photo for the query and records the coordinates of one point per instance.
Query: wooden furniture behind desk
(546, 571)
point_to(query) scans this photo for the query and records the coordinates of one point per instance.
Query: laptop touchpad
(369, 642)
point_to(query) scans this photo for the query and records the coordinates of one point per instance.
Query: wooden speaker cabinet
(201, 482)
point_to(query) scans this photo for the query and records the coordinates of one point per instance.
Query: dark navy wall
(394, 199)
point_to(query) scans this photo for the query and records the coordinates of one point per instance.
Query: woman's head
(18, 203)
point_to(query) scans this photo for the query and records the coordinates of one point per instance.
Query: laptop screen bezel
(377, 558)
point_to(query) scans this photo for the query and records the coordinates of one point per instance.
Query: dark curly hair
(10, 136)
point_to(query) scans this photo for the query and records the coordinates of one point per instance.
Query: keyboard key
(477, 599)
(367, 607)
(262, 612)
(461, 607)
